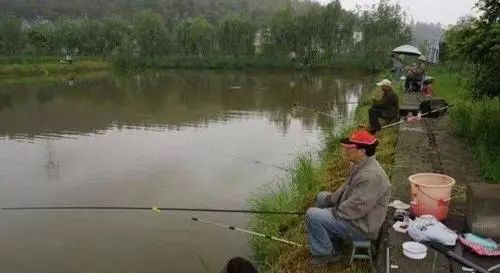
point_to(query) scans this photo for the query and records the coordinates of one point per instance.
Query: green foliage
(236, 36)
(115, 29)
(40, 38)
(11, 35)
(478, 41)
(323, 35)
(149, 34)
(384, 29)
(67, 36)
(195, 36)
(173, 11)
(280, 37)
(91, 37)
(479, 122)
(126, 56)
(475, 120)
(301, 35)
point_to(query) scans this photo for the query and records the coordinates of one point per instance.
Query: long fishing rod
(296, 105)
(423, 115)
(234, 228)
(164, 209)
(196, 219)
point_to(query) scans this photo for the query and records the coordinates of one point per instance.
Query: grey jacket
(364, 198)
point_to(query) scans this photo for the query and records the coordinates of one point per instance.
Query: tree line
(473, 44)
(302, 32)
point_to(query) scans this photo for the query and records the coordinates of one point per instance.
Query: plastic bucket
(431, 194)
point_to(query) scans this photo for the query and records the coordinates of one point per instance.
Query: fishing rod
(196, 219)
(160, 208)
(234, 228)
(423, 115)
(452, 255)
(296, 105)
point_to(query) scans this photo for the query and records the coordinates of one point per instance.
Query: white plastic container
(414, 250)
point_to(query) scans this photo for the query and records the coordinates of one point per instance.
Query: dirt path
(429, 146)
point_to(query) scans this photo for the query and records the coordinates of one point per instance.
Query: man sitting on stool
(387, 108)
(356, 211)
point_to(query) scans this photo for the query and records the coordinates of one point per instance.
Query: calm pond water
(173, 139)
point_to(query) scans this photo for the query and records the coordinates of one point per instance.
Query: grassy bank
(235, 62)
(48, 66)
(298, 191)
(475, 119)
(36, 66)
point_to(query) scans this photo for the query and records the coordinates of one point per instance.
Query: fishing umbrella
(407, 50)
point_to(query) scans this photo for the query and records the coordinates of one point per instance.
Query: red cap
(360, 138)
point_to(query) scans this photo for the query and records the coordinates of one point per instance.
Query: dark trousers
(374, 115)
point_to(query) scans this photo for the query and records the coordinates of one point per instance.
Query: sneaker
(321, 261)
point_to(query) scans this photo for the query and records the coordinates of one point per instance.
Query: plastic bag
(428, 228)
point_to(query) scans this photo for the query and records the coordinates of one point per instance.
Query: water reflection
(171, 100)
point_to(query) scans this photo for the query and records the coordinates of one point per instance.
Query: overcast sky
(432, 11)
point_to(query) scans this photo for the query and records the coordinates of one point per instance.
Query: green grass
(48, 66)
(232, 62)
(297, 192)
(476, 120)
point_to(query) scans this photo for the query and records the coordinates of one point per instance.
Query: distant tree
(67, 35)
(196, 36)
(236, 36)
(149, 32)
(41, 38)
(308, 41)
(478, 42)
(125, 56)
(331, 20)
(383, 29)
(115, 29)
(282, 38)
(11, 35)
(92, 39)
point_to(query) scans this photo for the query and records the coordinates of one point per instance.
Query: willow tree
(11, 35)
(236, 36)
(384, 28)
(115, 29)
(149, 33)
(477, 41)
(40, 38)
(282, 33)
(92, 39)
(67, 35)
(196, 36)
